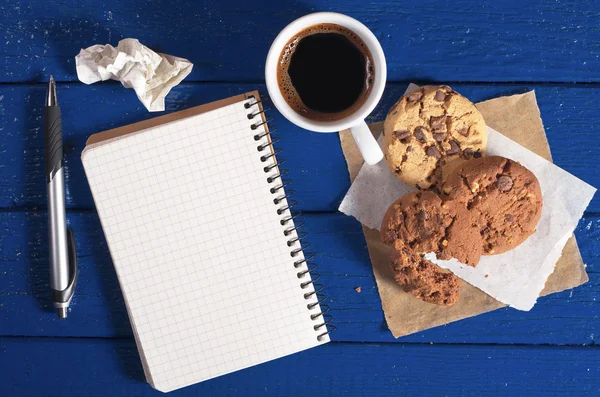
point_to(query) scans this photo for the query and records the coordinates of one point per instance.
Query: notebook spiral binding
(296, 243)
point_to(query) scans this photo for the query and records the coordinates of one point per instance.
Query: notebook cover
(167, 118)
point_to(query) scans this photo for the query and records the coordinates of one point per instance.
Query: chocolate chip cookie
(426, 224)
(503, 197)
(422, 278)
(428, 129)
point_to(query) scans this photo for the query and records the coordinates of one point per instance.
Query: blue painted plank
(315, 161)
(507, 40)
(570, 317)
(59, 367)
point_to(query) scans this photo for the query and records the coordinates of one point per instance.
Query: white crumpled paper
(518, 276)
(150, 74)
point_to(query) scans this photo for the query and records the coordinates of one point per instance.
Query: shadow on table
(99, 266)
(36, 228)
(95, 266)
(129, 358)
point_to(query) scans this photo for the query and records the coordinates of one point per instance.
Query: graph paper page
(199, 249)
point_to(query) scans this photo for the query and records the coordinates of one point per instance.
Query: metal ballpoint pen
(63, 257)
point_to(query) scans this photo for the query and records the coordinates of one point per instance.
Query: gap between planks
(414, 81)
(333, 342)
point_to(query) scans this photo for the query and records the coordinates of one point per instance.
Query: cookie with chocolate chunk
(503, 197)
(428, 129)
(421, 278)
(426, 224)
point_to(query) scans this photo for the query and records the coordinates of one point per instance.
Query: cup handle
(368, 146)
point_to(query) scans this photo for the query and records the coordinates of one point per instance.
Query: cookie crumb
(357, 289)
(487, 275)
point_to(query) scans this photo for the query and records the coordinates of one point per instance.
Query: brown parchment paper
(517, 117)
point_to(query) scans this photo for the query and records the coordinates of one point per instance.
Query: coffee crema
(325, 72)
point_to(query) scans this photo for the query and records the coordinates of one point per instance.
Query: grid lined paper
(198, 247)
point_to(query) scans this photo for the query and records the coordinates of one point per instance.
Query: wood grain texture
(570, 317)
(317, 167)
(508, 40)
(60, 367)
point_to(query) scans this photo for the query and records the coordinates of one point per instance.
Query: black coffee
(325, 72)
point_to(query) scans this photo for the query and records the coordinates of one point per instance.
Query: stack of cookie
(467, 205)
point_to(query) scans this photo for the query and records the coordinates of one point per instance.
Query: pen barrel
(53, 138)
(57, 232)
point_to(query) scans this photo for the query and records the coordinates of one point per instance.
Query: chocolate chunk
(420, 133)
(393, 235)
(440, 95)
(435, 190)
(408, 149)
(401, 134)
(422, 215)
(438, 122)
(415, 96)
(454, 148)
(397, 170)
(468, 153)
(477, 154)
(509, 217)
(433, 152)
(505, 183)
(438, 137)
(464, 130)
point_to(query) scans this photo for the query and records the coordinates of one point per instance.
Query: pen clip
(66, 294)
(73, 268)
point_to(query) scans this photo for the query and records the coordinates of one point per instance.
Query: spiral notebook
(199, 228)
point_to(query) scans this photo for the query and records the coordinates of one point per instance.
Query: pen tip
(51, 95)
(62, 312)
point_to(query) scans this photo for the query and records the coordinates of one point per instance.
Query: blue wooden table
(482, 48)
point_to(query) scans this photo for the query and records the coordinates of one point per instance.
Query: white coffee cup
(367, 145)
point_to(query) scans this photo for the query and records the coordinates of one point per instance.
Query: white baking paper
(150, 74)
(518, 276)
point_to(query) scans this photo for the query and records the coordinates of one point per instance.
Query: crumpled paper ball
(150, 74)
